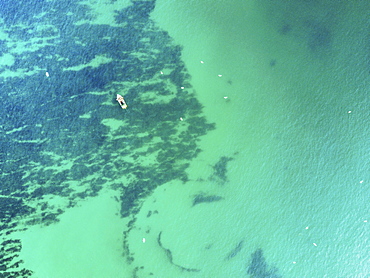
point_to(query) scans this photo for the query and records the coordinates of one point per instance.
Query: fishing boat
(121, 101)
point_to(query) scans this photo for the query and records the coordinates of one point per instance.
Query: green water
(285, 171)
(298, 184)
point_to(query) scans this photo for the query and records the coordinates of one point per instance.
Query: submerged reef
(235, 251)
(62, 132)
(319, 35)
(170, 257)
(220, 170)
(258, 267)
(204, 198)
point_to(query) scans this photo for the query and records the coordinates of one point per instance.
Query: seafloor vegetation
(59, 87)
(60, 74)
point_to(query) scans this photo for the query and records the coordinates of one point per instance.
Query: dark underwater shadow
(258, 267)
(55, 107)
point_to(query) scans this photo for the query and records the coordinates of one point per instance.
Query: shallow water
(250, 161)
(294, 122)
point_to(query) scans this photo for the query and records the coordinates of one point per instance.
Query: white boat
(121, 101)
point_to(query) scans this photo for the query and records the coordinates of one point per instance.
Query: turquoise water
(297, 118)
(244, 150)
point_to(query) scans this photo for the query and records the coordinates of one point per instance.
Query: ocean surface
(244, 150)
